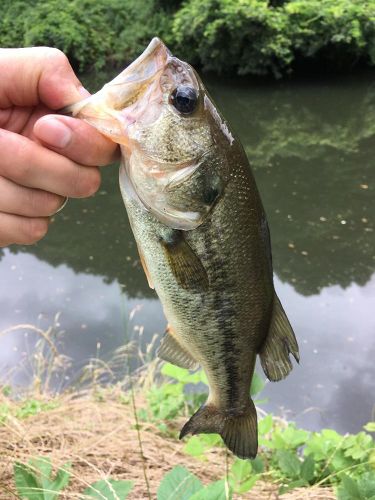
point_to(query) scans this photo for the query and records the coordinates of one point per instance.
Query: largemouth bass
(202, 236)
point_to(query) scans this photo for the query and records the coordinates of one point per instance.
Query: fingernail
(53, 132)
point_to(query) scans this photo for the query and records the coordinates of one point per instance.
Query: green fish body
(202, 236)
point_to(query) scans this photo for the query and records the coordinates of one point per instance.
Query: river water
(311, 145)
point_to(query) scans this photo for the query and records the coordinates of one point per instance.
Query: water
(312, 149)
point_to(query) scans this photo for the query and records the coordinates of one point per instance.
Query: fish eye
(184, 99)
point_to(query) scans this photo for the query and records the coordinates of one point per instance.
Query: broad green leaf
(247, 485)
(258, 465)
(42, 469)
(109, 489)
(61, 479)
(308, 469)
(241, 476)
(348, 489)
(241, 469)
(26, 482)
(289, 463)
(366, 485)
(294, 484)
(211, 439)
(265, 425)
(370, 427)
(183, 375)
(214, 491)
(178, 484)
(257, 384)
(194, 446)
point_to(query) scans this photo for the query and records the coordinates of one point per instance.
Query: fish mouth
(121, 101)
(131, 83)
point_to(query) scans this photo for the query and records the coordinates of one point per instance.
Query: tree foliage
(245, 36)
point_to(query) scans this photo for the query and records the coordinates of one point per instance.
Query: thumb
(35, 75)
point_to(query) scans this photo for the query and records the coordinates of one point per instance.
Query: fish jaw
(116, 106)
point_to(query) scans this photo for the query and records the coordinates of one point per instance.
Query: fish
(202, 236)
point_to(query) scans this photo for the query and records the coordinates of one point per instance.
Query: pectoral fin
(184, 263)
(170, 350)
(280, 342)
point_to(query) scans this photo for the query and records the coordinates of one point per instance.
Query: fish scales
(202, 236)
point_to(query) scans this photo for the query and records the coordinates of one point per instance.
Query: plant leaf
(214, 491)
(27, 483)
(257, 384)
(109, 489)
(348, 489)
(258, 465)
(308, 469)
(62, 478)
(294, 484)
(289, 463)
(178, 484)
(370, 427)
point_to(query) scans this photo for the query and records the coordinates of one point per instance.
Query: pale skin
(44, 157)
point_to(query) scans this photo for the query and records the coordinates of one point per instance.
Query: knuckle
(56, 55)
(45, 203)
(34, 230)
(87, 182)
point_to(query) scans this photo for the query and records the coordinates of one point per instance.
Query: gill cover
(143, 94)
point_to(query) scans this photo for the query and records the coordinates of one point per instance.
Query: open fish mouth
(121, 101)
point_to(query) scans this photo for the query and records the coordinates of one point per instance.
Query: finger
(75, 139)
(20, 200)
(38, 74)
(21, 230)
(30, 164)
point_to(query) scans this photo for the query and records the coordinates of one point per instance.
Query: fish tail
(238, 430)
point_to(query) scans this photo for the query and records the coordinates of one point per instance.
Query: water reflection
(312, 148)
(335, 329)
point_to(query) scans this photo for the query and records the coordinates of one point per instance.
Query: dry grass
(100, 439)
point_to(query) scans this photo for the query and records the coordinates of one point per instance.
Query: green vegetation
(288, 457)
(115, 441)
(258, 37)
(35, 481)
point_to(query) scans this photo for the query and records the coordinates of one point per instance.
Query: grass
(98, 436)
(128, 431)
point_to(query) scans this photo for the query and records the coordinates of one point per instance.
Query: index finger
(76, 140)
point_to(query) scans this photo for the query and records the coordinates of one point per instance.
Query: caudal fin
(239, 432)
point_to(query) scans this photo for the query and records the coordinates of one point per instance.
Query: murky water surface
(312, 146)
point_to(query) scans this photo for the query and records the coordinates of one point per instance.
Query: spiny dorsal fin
(170, 350)
(185, 264)
(280, 342)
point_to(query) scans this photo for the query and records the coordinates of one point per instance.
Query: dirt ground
(100, 439)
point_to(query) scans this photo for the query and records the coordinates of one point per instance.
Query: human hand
(43, 157)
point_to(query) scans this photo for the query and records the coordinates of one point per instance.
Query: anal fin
(280, 342)
(170, 350)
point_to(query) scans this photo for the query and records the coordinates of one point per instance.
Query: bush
(244, 36)
(255, 37)
(92, 33)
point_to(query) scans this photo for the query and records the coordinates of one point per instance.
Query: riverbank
(96, 432)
